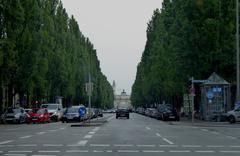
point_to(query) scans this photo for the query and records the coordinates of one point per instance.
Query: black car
(122, 112)
(72, 114)
(166, 113)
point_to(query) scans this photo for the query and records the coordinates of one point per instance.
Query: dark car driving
(166, 113)
(122, 112)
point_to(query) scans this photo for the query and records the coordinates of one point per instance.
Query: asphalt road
(138, 136)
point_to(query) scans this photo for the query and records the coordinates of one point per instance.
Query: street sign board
(82, 111)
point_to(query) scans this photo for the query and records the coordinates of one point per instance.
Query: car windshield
(72, 110)
(50, 106)
(10, 110)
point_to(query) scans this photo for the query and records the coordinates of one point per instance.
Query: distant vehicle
(38, 116)
(234, 115)
(122, 112)
(166, 113)
(72, 114)
(55, 110)
(15, 115)
(27, 110)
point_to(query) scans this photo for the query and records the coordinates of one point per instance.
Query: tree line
(185, 38)
(43, 54)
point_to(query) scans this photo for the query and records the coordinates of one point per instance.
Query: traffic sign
(82, 111)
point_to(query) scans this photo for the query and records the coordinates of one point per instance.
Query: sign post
(192, 92)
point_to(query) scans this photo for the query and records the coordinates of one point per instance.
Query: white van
(55, 110)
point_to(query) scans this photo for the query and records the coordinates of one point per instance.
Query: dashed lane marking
(27, 145)
(215, 146)
(205, 130)
(87, 137)
(99, 145)
(77, 151)
(5, 142)
(234, 146)
(48, 151)
(123, 145)
(40, 133)
(146, 145)
(148, 128)
(43, 155)
(6, 145)
(168, 141)
(159, 135)
(152, 151)
(229, 151)
(82, 142)
(19, 151)
(168, 145)
(97, 151)
(96, 129)
(15, 154)
(52, 145)
(231, 137)
(204, 151)
(52, 130)
(180, 151)
(215, 133)
(128, 151)
(91, 132)
(25, 137)
(192, 146)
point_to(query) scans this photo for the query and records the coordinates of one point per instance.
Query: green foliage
(44, 54)
(186, 38)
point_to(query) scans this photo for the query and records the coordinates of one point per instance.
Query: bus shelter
(215, 98)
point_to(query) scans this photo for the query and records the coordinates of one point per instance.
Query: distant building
(122, 100)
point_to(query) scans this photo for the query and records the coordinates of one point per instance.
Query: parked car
(55, 110)
(38, 116)
(122, 112)
(234, 115)
(98, 112)
(72, 114)
(167, 113)
(15, 115)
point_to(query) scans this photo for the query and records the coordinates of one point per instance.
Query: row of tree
(43, 54)
(185, 38)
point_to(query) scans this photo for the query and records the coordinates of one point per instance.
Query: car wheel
(116, 117)
(231, 119)
(128, 117)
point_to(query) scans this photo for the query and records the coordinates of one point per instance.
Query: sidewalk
(202, 123)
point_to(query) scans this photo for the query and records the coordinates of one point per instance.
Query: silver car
(14, 115)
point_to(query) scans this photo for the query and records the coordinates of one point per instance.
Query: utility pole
(237, 47)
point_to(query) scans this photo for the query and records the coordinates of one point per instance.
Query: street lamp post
(237, 47)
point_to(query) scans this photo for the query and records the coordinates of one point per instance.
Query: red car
(38, 116)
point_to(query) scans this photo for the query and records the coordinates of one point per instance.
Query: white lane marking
(62, 128)
(191, 146)
(91, 132)
(99, 145)
(40, 133)
(168, 141)
(97, 151)
(82, 143)
(20, 151)
(27, 145)
(5, 142)
(152, 151)
(205, 130)
(215, 146)
(87, 137)
(1, 151)
(229, 151)
(52, 145)
(15, 154)
(233, 146)
(231, 137)
(109, 151)
(146, 145)
(148, 128)
(6, 145)
(48, 151)
(109, 119)
(77, 151)
(159, 135)
(204, 151)
(52, 130)
(178, 151)
(43, 155)
(128, 151)
(168, 145)
(25, 137)
(96, 129)
(123, 145)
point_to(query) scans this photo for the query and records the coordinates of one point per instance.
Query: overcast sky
(117, 29)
